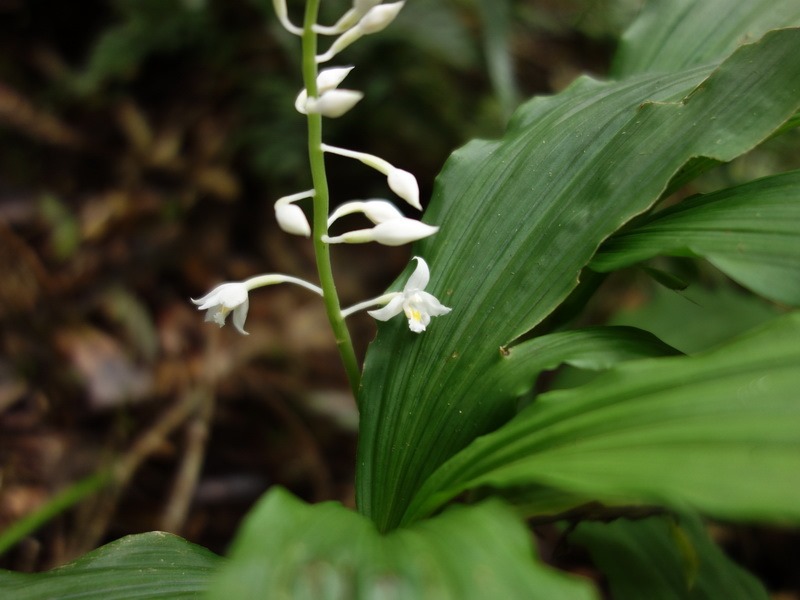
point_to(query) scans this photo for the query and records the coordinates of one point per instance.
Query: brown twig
(188, 473)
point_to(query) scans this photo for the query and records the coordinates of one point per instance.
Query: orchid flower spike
(233, 297)
(291, 217)
(283, 16)
(349, 19)
(417, 304)
(330, 102)
(376, 19)
(394, 232)
(401, 182)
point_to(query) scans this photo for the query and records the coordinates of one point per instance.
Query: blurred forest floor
(142, 143)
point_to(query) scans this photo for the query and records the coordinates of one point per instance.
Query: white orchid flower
(233, 297)
(330, 101)
(224, 299)
(401, 182)
(374, 20)
(417, 304)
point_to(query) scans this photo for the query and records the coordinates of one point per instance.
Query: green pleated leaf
(664, 558)
(673, 35)
(750, 232)
(716, 432)
(150, 565)
(593, 348)
(519, 219)
(288, 549)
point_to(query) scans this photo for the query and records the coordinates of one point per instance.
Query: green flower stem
(317, 160)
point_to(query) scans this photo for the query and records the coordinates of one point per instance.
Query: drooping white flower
(232, 297)
(394, 232)
(417, 304)
(291, 217)
(224, 299)
(329, 102)
(405, 185)
(401, 182)
(374, 20)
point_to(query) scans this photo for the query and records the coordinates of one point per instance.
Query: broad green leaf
(593, 348)
(663, 558)
(150, 565)
(716, 432)
(700, 317)
(288, 549)
(750, 232)
(520, 218)
(674, 35)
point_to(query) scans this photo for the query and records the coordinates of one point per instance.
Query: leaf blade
(149, 565)
(714, 427)
(287, 548)
(519, 220)
(661, 558)
(750, 232)
(672, 35)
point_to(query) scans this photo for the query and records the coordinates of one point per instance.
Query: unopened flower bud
(404, 184)
(332, 104)
(394, 232)
(292, 219)
(374, 20)
(376, 211)
(379, 17)
(329, 79)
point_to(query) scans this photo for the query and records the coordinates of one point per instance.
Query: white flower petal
(239, 316)
(419, 278)
(392, 309)
(431, 304)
